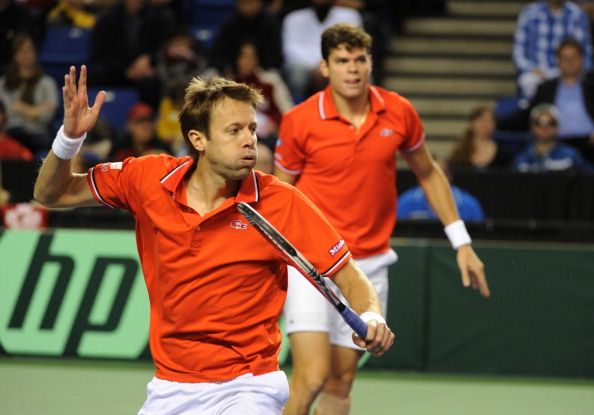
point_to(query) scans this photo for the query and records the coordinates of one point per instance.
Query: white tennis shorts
(307, 310)
(245, 395)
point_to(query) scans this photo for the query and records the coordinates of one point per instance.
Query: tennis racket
(276, 239)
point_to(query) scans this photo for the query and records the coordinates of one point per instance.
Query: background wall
(81, 293)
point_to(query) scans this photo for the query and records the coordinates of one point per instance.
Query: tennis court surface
(37, 386)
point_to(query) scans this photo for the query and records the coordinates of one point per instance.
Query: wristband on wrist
(457, 234)
(370, 315)
(66, 148)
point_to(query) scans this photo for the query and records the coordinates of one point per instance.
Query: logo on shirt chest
(238, 224)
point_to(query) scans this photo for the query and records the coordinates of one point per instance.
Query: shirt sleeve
(109, 183)
(289, 155)
(414, 127)
(304, 225)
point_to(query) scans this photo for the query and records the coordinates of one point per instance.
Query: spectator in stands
(540, 28)
(9, 147)
(70, 13)
(140, 138)
(573, 95)
(302, 30)
(167, 125)
(250, 21)
(476, 148)
(547, 153)
(124, 47)
(413, 204)
(4, 194)
(181, 58)
(14, 19)
(277, 98)
(30, 96)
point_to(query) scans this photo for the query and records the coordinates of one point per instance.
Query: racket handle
(353, 320)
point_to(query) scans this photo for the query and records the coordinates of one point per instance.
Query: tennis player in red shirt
(216, 287)
(339, 148)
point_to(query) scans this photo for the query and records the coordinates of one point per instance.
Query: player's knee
(340, 385)
(311, 383)
(333, 405)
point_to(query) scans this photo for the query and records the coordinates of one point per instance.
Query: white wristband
(370, 315)
(66, 148)
(457, 234)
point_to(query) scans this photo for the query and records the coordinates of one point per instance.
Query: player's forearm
(439, 195)
(53, 180)
(357, 289)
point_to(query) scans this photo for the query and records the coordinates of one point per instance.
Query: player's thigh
(305, 308)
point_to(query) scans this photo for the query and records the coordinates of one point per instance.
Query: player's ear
(324, 68)
(197, 139)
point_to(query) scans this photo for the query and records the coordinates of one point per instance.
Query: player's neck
(206, 192)
(353, 110)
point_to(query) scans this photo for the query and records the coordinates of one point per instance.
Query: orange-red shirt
(11, 149)
(216, 287)
(349, 173)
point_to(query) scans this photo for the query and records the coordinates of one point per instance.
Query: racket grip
(354, 321)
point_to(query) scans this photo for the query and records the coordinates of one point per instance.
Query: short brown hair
(345, 34)
(202, 95)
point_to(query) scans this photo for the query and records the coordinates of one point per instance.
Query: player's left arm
(439, 194)
(363, 299)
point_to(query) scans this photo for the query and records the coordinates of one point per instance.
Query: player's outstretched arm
(363, 299)
(439, 194)
(57, 185)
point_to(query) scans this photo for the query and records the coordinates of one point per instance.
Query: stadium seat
(117, 103)
(212, 12)
(512, 141)
(205, 34)
(62, 47)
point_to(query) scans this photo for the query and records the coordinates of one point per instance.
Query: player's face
(230, 151)
(348, 71)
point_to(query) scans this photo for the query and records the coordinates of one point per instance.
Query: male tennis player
(216, 287)
(339, 148)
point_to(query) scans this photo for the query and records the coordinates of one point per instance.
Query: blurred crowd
(154, 47)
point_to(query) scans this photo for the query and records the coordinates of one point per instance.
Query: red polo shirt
(349, 173)
(216, 287)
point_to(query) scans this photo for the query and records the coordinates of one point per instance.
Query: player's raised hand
(79, 118)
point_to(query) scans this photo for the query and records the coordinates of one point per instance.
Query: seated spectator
(476, 148)
(70, 13)
(168, 129)
(11, 149)
(14, 19)
(547, 153)
(301, 33)
(540, 28)
(30, 96)
(413, 204)
(4, 194)
(180, 59)
(124, 46)
(251, 20)
(573, 95)
(140, 138)
(277, 98)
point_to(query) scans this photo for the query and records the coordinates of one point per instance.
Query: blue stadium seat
(211, 12)
(62, 47)
(512, 141)
(117, 103)
(205, 34)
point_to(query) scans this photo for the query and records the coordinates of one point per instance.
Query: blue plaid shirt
(539, 32)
